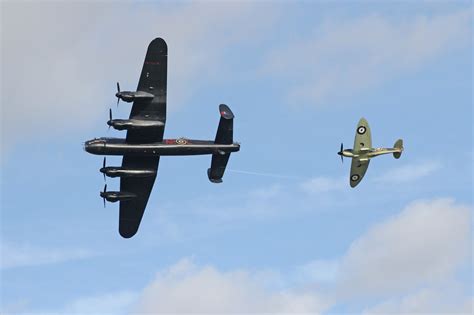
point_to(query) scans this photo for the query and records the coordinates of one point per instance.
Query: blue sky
(284, 233)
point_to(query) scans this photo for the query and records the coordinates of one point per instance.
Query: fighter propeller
(340, 152)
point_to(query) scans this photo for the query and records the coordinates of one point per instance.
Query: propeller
(340, 153)
(103, 167)
(118, 93)
(110, 118)
(103, 193)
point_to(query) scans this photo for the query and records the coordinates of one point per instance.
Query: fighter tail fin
(398, 145)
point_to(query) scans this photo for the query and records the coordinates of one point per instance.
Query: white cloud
(20, 255)
(410, 172)
(426, 301)
(423, 245)
(405, 264)
(344, 56)
(60, 61)
(187, 288)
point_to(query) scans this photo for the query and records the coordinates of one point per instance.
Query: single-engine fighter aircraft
(144, 143)
(363, 152)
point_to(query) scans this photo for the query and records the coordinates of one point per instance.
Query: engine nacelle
(127, 124)
(112, 171)
(114, 196)
(129, 97)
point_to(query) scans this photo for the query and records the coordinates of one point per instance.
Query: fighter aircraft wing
(131, 211)
(358, 169)
(363, 138)
(153, 81)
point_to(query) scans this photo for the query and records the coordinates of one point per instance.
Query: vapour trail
(263, 174)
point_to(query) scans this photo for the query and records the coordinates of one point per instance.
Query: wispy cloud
(74, 67)
(410, 172)
(406, 263)
(323, 184)
(426, 301)
(20, 255)
(274, 175)
(188, 288)
(421, 246)
(343, 57)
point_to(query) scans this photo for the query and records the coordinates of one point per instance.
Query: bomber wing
(131, 211)
(358, 169)
(153, 81)
(363, 138)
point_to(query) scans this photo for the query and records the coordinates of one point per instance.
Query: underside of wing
(358, 169)
(363, 138)
(131, 211)
(153, 80)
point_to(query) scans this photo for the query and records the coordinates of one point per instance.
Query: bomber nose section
(87, 146)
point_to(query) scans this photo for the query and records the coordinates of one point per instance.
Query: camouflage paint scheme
(363, 152)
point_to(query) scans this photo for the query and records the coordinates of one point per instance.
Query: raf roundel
(361, 130)
(354, 177)
(181, 141)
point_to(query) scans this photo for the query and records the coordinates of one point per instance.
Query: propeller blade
(103, 195)
(110, 119)
(340, 153)
(118, 91)
(103, 166)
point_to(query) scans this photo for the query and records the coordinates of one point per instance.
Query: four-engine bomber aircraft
(144, 144)
(363, 152)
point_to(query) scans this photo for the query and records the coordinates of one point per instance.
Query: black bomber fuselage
(172, 147)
